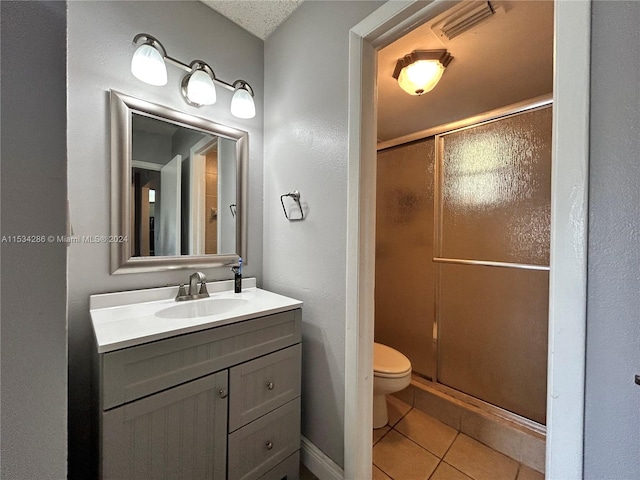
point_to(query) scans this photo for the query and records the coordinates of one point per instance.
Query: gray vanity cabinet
(221, 403)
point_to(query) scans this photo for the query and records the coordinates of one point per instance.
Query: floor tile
(427, 432)
(378, 433)
(479, 461)
(447, 472)
(402, 459)
(526, 473)
(396, 409)
(379, 474)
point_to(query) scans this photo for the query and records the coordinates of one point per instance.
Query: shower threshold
(506, 432)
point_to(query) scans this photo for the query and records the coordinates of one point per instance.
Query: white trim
(318, 463)
(359, 331)
(567, 321)
(147, 165)
(198, 192)
(568, 259)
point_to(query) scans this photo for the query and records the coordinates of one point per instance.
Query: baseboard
(318, 463)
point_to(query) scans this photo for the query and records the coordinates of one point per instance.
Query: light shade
(421, 70)
(200, 89)
(242, 104)
(148, 65)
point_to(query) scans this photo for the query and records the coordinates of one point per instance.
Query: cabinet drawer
(264, 443)
(135, 372)
(288, 469)
(261, 385)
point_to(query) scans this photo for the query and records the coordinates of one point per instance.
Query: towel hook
(296, 198)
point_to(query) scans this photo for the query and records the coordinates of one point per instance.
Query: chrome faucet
(194, 293)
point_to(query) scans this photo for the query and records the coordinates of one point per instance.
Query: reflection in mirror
(178, 189)
(183, 189)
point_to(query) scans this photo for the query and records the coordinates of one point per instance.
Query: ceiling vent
(462, 18)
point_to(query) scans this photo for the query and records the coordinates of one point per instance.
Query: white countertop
(126, 319)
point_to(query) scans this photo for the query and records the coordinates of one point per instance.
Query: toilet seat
(389, 363)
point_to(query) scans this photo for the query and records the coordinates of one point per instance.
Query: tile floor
(415, 446)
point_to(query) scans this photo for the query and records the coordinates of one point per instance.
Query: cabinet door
(176, 434)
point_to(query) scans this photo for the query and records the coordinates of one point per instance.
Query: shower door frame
(568, 262)
(440, 133)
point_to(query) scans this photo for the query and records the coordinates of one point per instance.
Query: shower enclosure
(462, 258)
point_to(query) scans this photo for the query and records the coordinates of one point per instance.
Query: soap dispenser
(237, 284)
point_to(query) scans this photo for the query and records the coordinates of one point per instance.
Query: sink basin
(202, 308)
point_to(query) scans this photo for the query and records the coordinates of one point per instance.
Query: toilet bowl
(391, 373)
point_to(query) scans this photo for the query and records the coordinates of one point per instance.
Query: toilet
(391, 373)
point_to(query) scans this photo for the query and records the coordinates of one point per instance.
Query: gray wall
(305, 259)
(612, 426)
(150, 147)
(100, 47)
(306, 85)
(34, 283)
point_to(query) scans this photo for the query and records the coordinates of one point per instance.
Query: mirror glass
(184, 190)
(177, 189)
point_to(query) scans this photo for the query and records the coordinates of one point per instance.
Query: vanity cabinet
(221, 403)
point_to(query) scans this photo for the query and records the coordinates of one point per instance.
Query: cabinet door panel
(259, 386)
(176, 434)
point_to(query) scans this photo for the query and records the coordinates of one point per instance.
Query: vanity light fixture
(242, 105)
(198, 86)
(420, 71)
(147, 63)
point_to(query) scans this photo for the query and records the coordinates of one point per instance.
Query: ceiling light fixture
(420, 71)
(198, 86)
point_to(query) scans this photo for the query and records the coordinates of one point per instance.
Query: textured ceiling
(259, 17)
(506, 59)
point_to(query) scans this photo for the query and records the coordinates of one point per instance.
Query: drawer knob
(269, 445)
(222, 393)
(270, 385)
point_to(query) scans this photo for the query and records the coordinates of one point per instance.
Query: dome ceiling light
(420, 71)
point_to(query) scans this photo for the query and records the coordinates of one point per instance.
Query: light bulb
(242, 104)
(148, 65)
(200, 88)
(421, 76)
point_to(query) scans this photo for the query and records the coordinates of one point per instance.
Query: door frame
(569, 221)
(197, 197)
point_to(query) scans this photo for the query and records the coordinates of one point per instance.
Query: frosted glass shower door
(492, 251)
(405, 274)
